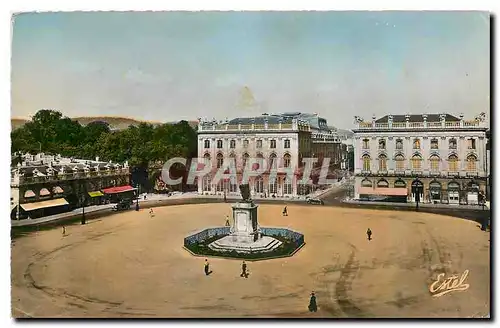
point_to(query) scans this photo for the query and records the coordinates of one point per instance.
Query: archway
(435, 191)
(417, 191)
(472, 193)
(453, 193)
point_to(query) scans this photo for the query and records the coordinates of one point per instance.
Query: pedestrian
(285, 213)
(313, 307)
(244, 270)
(207, 268)
(224, 197)
(369, 234)
(64, 231)
(227, 221)
(151, 213)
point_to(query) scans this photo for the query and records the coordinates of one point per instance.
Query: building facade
(283, 140)
(44, 184)
(443, 154)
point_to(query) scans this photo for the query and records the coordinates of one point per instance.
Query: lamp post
(137, 202)
(417, 189)
(83, 210)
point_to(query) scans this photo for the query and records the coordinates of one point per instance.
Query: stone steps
(225, 244)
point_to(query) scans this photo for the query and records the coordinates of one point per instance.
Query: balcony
(453, 173)
(399, 171)
(472, 174)
(382, 172)
(71, 176)
(434, 173)
(417, 172)
(366, 171)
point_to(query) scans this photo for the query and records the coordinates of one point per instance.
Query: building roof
(417, 118)
(271, 119)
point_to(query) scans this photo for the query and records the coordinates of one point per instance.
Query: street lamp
(83, 210)
(137, 202)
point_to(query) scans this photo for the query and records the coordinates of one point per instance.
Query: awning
(57, 190)
(95, 194)
(383, 191)
(29, 193)
(116, 190)
(44, 192)
(44, 204)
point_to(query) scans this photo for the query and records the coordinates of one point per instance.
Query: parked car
(122, 205)
(315, 201)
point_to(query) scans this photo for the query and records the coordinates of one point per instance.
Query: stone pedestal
(245, 227)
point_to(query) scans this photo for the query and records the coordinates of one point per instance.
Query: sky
(168, 66)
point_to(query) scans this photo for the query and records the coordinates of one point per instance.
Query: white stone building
(282, 140)
(444, 153)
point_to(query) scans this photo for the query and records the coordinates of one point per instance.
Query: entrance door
(453, 197)
(472, 198)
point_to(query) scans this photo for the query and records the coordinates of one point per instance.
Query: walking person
(369, 234)
(313, 307)
(207, 268)
(244, 270)
(64, 231)
(227, 221)
(285, 212)
(151, 213)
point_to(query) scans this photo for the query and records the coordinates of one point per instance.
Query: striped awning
(57, 190)
(29, 193)
(44, 204)
(95, 194)
(44, 192)
(116, 190)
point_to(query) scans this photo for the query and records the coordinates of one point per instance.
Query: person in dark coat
(227, 221)
(244, 270)
(285, 212)
(64, 231)
(369, 234)
(313, 307)
(207, 267)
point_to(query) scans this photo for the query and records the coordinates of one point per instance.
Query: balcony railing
(420, 125)
(453, 173)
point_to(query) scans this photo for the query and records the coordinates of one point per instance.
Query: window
(366, 163)
(471, 143)
(416, 163)
(207, 144)
(400, 162)
(287, 160)
(399, 184)
(220, 186)
(434, 144)
(452, 143)
(245, 159)
(366, 183)
(259, 143)
(259, 185)
(272, 161)
(382, 163)
(287, 187)
(273, 186)
(206, 182)
(382, 184)
(381, 144)
(471, 163)
(399, 144)
(219, 144)
(245, 143)
(434, 163)
(273, 143)
(220, 160)
(416, 144)
(287, 143)
(206, 159)
(366, 144)
(232, 144)
(453, 163)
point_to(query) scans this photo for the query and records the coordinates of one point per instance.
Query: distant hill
(115, 122)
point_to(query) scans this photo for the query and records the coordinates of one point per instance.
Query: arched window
(400, 162)
(453, 163)
(206, 159)
(416, 143)
(416, 162)
(220, 160)
(287, 186)
(245, 159)
(366, 183)
(207, 179)
(382, 163)
(399, 184)
(273, 186)
(366, 163)
(287, 160)
(471, 163)
(272, 161)
(382, 183)
(434, 163)
(381, 144)
(452, 143)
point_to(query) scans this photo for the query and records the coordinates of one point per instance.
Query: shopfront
(435, 192)
(453, 193)
(472, 193)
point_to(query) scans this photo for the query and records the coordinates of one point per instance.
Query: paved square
(131, 265)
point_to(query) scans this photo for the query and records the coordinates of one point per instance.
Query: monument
(245, 235)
